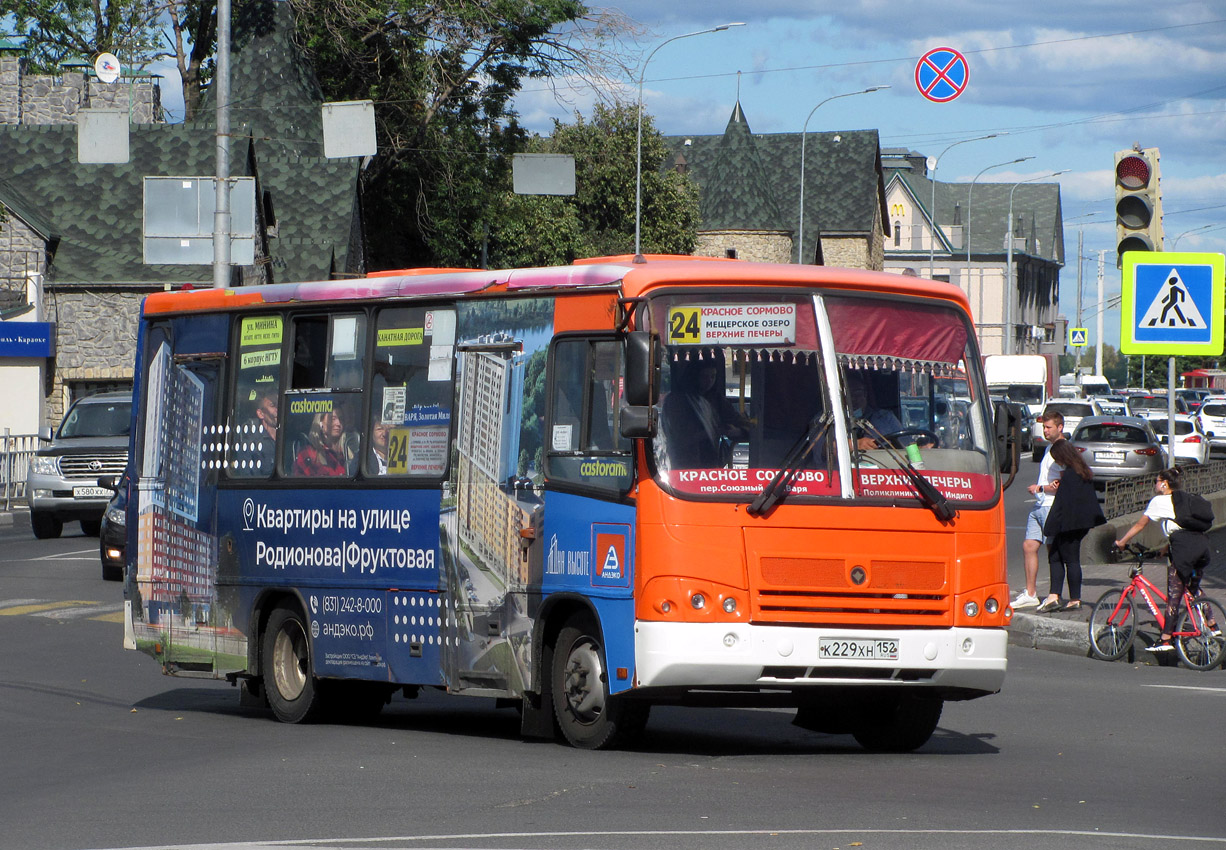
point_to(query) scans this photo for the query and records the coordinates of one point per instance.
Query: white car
(1212, 416)
(1191, 444)
(1072, 409)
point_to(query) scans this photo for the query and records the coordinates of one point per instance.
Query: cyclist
(1188, 552)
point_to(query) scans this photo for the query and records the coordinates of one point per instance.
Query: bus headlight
(991, 606)
(971, 609)
(698, 601)
(729, 605)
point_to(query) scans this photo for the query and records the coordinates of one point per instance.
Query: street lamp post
(1175, 241)
(967, 237)
(638, 147)
(800, 228)
(932, 210)
(1007, 342)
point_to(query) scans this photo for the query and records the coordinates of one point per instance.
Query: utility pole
(1081, 238)
(1098, 353)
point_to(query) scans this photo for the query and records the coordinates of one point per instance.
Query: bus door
(179, 456)
(588, 542)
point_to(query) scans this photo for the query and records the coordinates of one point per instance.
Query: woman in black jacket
(1073, 513)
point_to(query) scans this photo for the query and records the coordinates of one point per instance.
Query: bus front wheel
(588, 716)
(289, 680)
(897, 725)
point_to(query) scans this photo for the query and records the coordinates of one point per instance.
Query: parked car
(113, 536)
(1212, 416)
(1191, 444)
(1154, 405)
(1118, 446)
(1072, 410)
(62, 485)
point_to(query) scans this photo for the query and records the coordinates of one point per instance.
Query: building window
(897, 234)
(730, 253)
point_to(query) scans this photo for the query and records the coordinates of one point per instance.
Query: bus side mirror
(1008, 422)
(638, 421)
(643, 366)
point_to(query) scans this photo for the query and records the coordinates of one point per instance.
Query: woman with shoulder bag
(1074, 511)
(1188, 552)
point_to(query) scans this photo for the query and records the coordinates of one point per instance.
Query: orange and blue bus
(585, 490)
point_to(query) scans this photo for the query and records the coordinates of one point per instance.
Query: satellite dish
(106, 66)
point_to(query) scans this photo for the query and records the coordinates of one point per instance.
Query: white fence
(15, 453)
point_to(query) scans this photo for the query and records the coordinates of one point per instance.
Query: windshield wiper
(932, 498)
(781, 481)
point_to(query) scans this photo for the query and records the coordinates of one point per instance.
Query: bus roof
(634, 279)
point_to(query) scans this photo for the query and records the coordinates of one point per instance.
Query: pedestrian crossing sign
(1172, 303)
(1077, 336)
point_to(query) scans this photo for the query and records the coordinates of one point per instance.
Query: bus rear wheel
(289, 678)
(897, 724)
(589, 717)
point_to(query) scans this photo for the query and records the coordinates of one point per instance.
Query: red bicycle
(1113, 620)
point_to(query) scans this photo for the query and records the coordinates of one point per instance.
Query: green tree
(137, 31)
(442, 75)
(599, 219)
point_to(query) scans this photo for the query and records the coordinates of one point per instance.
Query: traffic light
(1138, 202)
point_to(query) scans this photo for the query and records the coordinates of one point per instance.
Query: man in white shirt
(1044, 492)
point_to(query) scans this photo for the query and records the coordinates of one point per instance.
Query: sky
(1070, 83)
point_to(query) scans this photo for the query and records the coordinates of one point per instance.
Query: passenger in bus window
(697, 418)
(379, 435)
(266, 418)
(327, 447)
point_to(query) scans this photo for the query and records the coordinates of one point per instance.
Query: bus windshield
(867, 386)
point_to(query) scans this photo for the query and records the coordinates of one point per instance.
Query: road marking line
(85, 611)
(9, 603)
(1190, 688)
(116, 617)
(46, 606)
(62, 555)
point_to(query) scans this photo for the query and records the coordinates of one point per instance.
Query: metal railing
(1131, 495)
(15, 453)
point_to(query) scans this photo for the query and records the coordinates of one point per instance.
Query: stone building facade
(44, 99)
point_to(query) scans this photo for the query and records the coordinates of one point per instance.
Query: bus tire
(289, 677)
(899, 724)
(589, 718)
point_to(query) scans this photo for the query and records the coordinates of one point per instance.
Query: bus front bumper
(961, 663)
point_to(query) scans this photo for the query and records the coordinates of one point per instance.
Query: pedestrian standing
(1043, 491)
(1074, 511)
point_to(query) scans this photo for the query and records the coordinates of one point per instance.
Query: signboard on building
(27, 339)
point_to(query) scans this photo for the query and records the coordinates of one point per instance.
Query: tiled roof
(985, 210)
(752, 182)
(96, 210)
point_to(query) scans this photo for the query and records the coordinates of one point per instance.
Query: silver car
(92, 442)
(1118, 446)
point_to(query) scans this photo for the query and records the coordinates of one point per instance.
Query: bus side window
(323, 415)
(257, 398)
(583, 443)
(411, 392)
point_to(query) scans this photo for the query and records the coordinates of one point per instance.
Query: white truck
(1023, 378)
(1094, 385)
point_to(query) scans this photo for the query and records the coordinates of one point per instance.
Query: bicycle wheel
(1202, 651)
(1113, 624)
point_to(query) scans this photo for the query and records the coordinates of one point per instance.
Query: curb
(1072, 637)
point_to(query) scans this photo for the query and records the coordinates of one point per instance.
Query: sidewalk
(1069, 632)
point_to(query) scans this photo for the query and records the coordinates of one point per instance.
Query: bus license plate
(91, 493)
(871, 649)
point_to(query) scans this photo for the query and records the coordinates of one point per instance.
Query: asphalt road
(101, 751)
